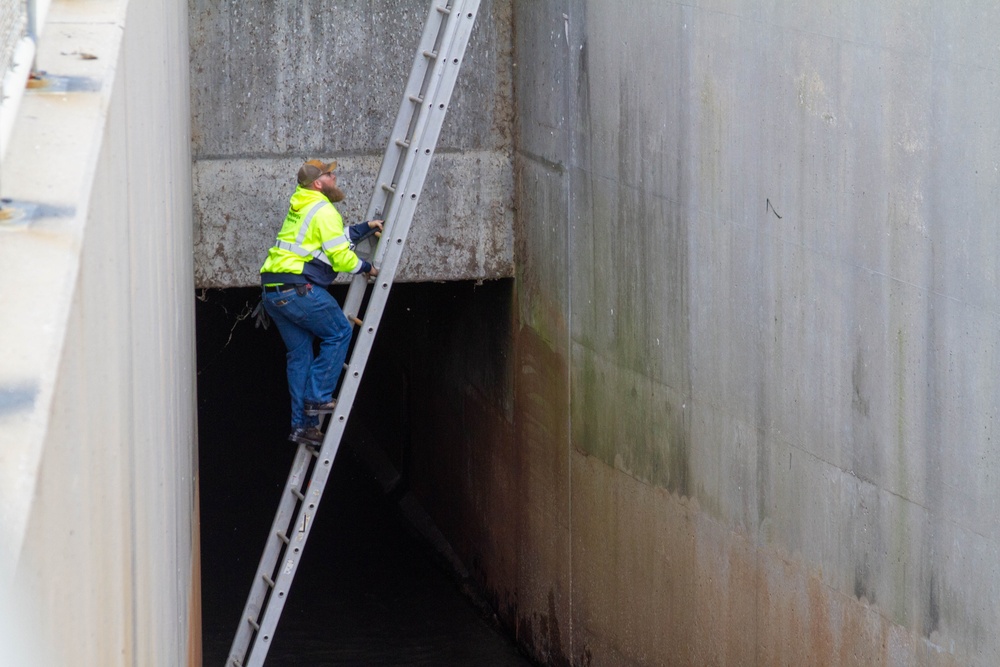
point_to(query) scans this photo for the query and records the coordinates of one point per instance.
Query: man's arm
(358, 233)
(363, 230)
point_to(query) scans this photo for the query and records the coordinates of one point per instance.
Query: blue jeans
(301, 320)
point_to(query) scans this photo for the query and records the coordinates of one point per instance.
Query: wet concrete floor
(368, 591)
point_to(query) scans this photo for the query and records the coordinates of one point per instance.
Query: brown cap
(313, 169)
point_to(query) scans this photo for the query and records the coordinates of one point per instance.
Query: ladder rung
(298, 494)
(283, 538)
(402, 143)
(443, 10)
(416, 98)
(268, 580)
(388, 188)
(430, 55)
(254, 624)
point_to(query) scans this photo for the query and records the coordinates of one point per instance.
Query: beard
(333, 193)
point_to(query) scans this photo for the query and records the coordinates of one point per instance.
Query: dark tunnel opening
(370, 590)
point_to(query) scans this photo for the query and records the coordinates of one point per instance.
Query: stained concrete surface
(769, 290)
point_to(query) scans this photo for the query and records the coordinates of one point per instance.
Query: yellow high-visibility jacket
(313, 244)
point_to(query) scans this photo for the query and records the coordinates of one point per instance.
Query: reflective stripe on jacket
(313, 233)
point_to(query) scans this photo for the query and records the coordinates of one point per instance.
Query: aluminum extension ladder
(400, 181)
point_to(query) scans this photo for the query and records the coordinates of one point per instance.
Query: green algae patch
(629, 422)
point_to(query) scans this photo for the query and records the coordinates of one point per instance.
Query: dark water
(368, 591)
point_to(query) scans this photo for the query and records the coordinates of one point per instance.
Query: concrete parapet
(273, 84)
(462, 229)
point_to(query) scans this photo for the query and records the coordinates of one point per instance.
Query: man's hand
(377, 226)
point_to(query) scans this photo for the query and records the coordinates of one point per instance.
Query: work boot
(320, 408)
(308, 435)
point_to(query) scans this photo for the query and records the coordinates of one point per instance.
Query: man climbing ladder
(312, 247)
(399, 183)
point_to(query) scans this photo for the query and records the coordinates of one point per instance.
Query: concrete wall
(98, 503)
(753, 407)
(276, 83)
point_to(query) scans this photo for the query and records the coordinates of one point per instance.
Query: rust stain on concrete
(657, 581)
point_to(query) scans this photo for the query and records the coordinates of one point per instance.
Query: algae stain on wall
(630, 422)
(629, 358)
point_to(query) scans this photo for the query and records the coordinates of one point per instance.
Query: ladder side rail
(418, 101)
(355, 369)
(292, 556)
(427, 120)
(427, 97)
(317, 483)
(426, 125)
(269, 557)
(427, 57)
(380, 293)
(421, 63)
(441, 38)
(406, 168)
(396, 153)
(424, 142)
